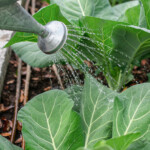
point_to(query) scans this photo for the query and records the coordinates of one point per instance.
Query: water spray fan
(51, 37)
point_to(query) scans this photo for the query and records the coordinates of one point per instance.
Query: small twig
(58, 76)
(27, 82)
(27, 5)
(23, 143)
(33, 7)
(16, 100)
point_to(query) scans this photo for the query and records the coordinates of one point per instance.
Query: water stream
(84, 52)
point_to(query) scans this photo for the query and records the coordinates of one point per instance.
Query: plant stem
(58, 76)
(16, 100)
(27, 82)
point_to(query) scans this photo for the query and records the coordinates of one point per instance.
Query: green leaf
(43, 16)
(142, 20)
(96, 111)
(30, 53)
(131, 16)
(100, 32)
(131, 112)
(146, 6)
(102, 147)
(96, 8)
(131, 44)
(120, 143)
(49, 122)
(120, 10)
(7, 145)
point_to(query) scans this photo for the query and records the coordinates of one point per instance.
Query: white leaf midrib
(83, 13)
(49, 128)
(130, 122)
(91, 120)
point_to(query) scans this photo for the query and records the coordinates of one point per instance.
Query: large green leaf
(7, 145)
(95, 8)
(30, 53)
(120, 143)
(100, 32)
(96, 111)
(49, 122)
(43, 16)
(131, 44)
(131, 112)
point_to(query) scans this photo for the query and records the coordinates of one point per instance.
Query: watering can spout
(13, 17)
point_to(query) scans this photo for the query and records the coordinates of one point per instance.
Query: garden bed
(47, 79)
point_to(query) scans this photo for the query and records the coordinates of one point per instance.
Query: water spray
(51, 37)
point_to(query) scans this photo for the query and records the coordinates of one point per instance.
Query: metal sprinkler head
(55, 39)
(52, 36)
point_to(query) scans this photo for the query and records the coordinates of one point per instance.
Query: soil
(43, 80)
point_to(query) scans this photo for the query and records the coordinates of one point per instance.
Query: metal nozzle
(13, 17)
(55, 39)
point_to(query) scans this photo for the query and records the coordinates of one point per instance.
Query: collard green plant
(131, 48)
(50, 123)
(121, 47)
(131, 112)
(60, 126)
(96, 111)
